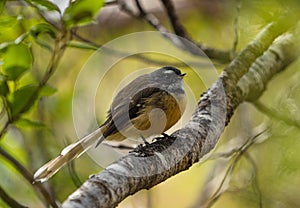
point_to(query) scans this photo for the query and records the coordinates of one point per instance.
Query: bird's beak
(182, 75)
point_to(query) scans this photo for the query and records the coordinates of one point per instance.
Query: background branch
(90, 45)
(9, 200)
(179, 29)
(41, 190)
(184, 43)
(235, 156)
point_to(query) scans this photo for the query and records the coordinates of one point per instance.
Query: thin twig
(180, 42)
(218, 193)
(75, 178)
(185, 42)
(28, 176)
(178, 27)
(138, 56)
(9, 200)
(71, 168)
(41, 143)
(238, 149)
(40, 152)
(59, 49)
(255, 181)
(236, 28)
(241, 152)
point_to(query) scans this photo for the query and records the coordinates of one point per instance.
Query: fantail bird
(136, 111)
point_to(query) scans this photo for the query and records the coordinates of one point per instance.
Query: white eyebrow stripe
(168, 72)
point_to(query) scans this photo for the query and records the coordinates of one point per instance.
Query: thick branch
(242, 63)
(273, 61)
(150, 165)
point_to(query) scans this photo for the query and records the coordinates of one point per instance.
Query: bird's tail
(67, 154)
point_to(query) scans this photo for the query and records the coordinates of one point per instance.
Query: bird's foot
(164, 136)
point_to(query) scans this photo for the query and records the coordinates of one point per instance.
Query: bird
(147, 106)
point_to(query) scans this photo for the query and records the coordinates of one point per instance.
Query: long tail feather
(67, 154)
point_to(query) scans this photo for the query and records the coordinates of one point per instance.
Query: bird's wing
(129, 109)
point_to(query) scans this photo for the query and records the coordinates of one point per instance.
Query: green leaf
(47, 90)
(3, 86)
(16, 60)
(36, 30)
(7, 22)
(22, 99)
(43, 28)
(44, 5)
(82, 12)
(23, 123)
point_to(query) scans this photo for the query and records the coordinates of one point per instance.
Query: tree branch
(10, 201)
(179, 29)
(181, 39)
(235, 156)
(90, 45)
(154, 163)
(39, 188)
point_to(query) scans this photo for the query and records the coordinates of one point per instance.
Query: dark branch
(236, 27)
(154, 22)
(141, 57)
(41, 190)
(179, 29)
(182, 42)
(175, 22)
(9, 200)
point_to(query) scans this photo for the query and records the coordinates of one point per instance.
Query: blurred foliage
(81, 12)
(36, 103)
